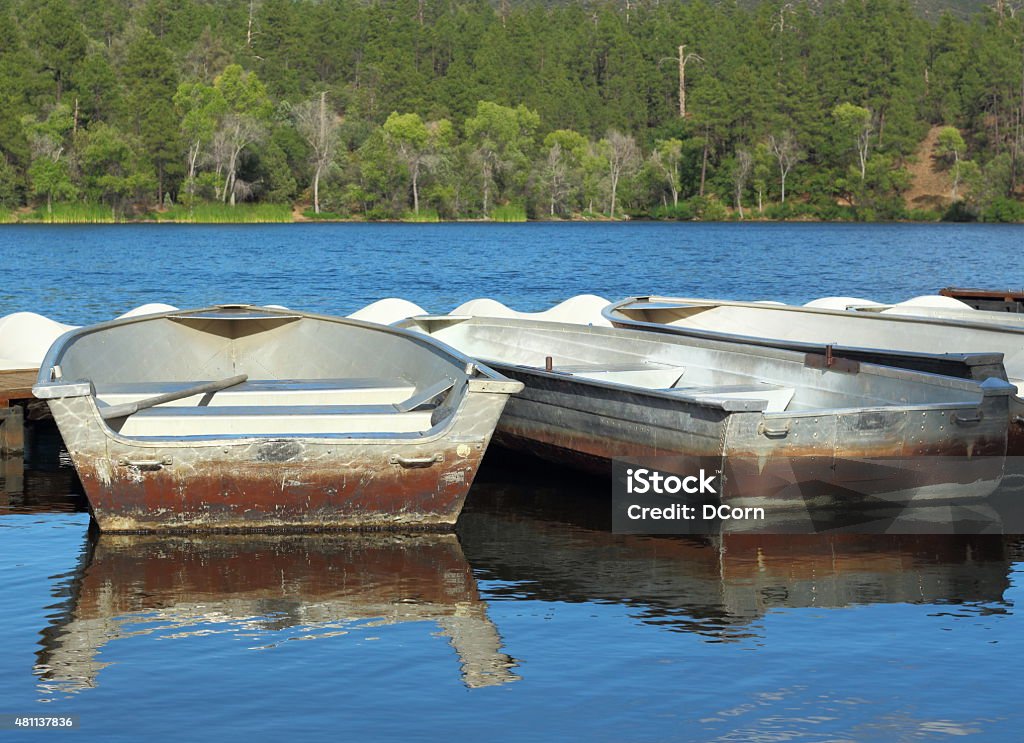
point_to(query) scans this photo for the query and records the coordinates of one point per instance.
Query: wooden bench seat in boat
(359, 391)
(777, 396)
(272, 420)
(277, 407)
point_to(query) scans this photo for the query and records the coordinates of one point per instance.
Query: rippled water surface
(533, 621)
(86, 274)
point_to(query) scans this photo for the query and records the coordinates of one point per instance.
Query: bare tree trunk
(1019, 137)
(704, 164)
(623, 157)
(956, 172)
(248, 28)
(487, 189)
(682, 60)
(323, 138)
(995, 124)
(316, 190)
(787, 154)
(415, 191)
(229, 182)
(744, 164)
(682, 81)
(193, 156)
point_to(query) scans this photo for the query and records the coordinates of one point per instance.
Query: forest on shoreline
(426, 110)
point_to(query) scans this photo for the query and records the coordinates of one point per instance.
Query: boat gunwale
(729, 346)
(492, 383)
(723, 404)
(711, 303)
(64, 340)
(979, 358)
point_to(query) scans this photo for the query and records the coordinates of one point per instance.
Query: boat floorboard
(270, 420)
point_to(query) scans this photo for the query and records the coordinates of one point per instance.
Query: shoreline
(279, 214)
(640, 220)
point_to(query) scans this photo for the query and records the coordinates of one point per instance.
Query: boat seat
(358, 391)
(777, 396)
(274, 420)
(651, 375)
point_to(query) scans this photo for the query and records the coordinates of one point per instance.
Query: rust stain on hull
(310, 422)
(265, 495)
(898, 455)
(277, 484)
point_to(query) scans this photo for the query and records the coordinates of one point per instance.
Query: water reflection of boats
(30, 490)
(271, 588)
(45, 480)
(721, 586)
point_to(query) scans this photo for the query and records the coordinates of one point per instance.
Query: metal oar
(122, 411)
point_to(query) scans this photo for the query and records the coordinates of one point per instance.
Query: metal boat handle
(146, 465)
(765, 430)
(414, 462)
(959, 419)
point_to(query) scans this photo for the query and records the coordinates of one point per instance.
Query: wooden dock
(15, 394)
(16, 385)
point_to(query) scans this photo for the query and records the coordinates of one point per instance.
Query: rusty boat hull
(338, 424)
(780, 429)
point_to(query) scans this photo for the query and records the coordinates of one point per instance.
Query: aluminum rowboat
(953, 346)
(316, 422)
(779, 425)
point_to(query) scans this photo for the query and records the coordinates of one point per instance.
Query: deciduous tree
(665, 159)
(418, 145)
(318, 125)
(787, 154)
(623, 157)
(501, 138)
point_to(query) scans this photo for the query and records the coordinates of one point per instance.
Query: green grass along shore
(82, 213)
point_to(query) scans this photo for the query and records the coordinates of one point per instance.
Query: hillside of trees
(427, 109)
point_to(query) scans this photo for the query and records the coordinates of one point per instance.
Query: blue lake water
(534, 622)
(87, 274)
